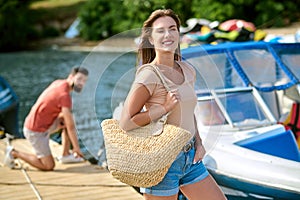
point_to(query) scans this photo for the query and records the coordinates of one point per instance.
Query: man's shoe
(69, 159)
(9, 159)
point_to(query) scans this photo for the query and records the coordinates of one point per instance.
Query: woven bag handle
(158, 129)
(158, 73)
(160, 123)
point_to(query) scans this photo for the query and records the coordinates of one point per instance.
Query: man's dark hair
(82, 70)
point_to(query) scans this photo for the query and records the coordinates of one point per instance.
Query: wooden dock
(66, 182)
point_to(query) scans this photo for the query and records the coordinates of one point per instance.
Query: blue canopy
(264, 65)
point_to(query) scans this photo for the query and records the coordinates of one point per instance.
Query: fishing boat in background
(241, 100)
(9, 107)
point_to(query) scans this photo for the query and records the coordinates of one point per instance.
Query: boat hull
(240, 104)
(251, 188)
(250, 171)
(9, 109)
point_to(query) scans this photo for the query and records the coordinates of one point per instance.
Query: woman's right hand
(172, 99)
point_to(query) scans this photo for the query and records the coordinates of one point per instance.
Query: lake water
(110, 77)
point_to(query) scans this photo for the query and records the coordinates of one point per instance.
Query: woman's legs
(151, 197)
(206, 189)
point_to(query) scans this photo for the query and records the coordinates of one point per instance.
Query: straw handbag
(141, 157)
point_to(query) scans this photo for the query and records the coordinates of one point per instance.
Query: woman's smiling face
(165, 34)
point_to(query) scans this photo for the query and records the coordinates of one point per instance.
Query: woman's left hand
(199, 154)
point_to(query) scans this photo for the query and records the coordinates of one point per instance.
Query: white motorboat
(241, 99)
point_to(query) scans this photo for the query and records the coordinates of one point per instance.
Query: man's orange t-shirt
(48, 106)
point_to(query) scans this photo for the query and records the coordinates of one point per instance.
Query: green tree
(99, 18)
(263, 14)
(104, 18)
(15, 24)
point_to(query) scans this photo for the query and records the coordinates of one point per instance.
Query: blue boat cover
(8, 97)
(9, 108)
(277, 144)
(264, 65)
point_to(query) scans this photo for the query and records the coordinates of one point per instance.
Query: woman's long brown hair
(146, 51)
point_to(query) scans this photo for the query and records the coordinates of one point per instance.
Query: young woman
(160, 47)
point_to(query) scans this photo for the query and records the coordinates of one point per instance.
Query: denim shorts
(181, 172)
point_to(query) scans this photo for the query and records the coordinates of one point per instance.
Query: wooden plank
(14, 185)
(67, 181)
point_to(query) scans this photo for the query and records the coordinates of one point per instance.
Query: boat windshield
(210, 113)
(237, 108)
(215, 71)
(261, 67)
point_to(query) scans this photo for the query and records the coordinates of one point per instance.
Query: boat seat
(277, 144)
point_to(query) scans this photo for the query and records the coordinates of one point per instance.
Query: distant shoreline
(122, 44)
(77, 44)
(284, 30)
